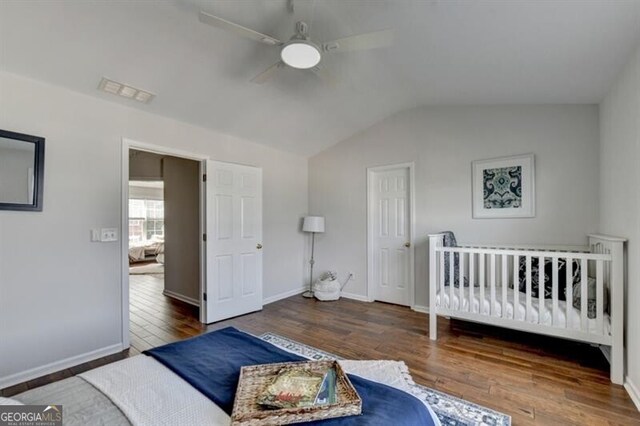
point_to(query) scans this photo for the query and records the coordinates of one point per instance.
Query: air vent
(126, 91)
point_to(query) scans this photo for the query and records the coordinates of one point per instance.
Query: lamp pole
(309, 293)
(312, 224)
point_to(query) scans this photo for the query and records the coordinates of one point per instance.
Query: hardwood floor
(536, 380)
(156, 319)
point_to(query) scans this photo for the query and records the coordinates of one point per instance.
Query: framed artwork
(504, 187)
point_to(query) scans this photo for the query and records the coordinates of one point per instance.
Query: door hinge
(204, 237)
(204, 177)
(204, 296)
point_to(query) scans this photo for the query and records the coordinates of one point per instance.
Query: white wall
(59, 293)
(442, 141)
(620, 194)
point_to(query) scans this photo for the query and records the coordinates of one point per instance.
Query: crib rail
(532, 289)
(531, 247)
(502, 272)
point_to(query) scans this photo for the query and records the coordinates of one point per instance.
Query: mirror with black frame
(21, 171)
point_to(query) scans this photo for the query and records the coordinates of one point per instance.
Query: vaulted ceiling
(445, 52)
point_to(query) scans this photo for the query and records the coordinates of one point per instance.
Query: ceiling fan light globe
(300, 54)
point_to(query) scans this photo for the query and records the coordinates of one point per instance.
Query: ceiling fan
(300, 51)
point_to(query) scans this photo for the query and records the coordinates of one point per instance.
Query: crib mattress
(520, 313)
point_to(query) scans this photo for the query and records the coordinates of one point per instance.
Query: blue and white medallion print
(502, 187)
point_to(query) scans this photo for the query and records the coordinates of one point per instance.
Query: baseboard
(34, 373)
(302, 290)
(343, 294)
(355, 297)
(421, 308)
(284, 295)
(633, 391)
(180, 297)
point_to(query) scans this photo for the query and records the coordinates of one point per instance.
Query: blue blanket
(211, 364)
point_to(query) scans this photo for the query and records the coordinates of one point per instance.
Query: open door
(233, 284)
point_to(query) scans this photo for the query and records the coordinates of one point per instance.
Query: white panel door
(391, 236)
(234, 240)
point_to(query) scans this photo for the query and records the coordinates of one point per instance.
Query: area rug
(147, 269)
(451, 411)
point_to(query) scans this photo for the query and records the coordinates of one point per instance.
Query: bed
(146, 250)
(565, 292)
(193, 382)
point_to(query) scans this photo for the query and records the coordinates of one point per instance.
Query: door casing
(128, 144)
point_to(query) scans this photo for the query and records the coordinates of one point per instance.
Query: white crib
(490, 298)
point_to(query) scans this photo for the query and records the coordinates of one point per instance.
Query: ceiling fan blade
(324, 74)
(238, 29)
(366, 41)
(267, 74)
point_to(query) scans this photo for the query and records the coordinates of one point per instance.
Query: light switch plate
(95, 235)
(108, 234)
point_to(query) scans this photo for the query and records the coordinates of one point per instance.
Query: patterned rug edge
(451, 411)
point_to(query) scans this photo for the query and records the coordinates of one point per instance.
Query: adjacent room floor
(534, 379)
(156, 319)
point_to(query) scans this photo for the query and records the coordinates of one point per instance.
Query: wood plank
(538, 380)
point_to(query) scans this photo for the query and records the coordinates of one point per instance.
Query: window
(155, 209)
(155, 227)
(137, 209)
(146, 219)
(136, 229)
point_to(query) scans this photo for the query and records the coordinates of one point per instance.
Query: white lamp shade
(313, 224)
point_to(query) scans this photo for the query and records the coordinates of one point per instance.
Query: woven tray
(254, 379)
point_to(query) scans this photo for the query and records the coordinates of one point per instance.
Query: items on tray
(299, 387)
(293, 392)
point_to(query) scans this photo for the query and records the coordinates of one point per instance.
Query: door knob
(407, 244)
(259, 246)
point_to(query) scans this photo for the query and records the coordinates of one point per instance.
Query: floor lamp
(313, 224)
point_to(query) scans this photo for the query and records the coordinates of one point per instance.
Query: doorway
(170, 312)
(164, 247)
(227, 230)
(390, 191)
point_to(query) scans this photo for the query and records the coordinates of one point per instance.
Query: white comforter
(148, 393)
